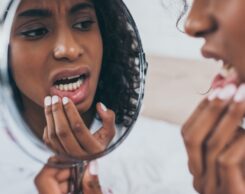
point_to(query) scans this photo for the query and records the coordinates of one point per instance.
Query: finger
(63, 130)
(63, 175)
(201, 107)
(221, 137)
(50, 135)
(64, 187)
(105, 134)
(231, 167)
(90, 180)
(198, 184)
(45, 181)
(46, 139)
(47, 186)
(197, 134)
(79, 129)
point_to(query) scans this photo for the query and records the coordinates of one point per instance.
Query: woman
(73, 55)
(214, 141)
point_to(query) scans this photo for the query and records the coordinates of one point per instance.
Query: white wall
(157, 26)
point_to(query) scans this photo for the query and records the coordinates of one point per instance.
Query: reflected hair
(120, 73)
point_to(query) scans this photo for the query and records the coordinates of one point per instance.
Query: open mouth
(227, 75)
(71, 83)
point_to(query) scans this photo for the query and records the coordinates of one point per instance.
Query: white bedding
(152, 160)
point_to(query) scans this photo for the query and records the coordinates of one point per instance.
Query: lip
(212, 54)
(80, 94)
(77, 96)
(219, 80)
(68, 72)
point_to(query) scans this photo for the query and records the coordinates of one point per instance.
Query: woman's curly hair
(120, 77)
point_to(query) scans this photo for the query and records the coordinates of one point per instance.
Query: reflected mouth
(70, 83)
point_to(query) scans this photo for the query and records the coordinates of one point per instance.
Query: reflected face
(56, 49)
(222, 24)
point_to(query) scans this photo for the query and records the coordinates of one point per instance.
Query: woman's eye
(35, 33)
(85, 25)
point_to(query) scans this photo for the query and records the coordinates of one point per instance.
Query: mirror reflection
(76, 70)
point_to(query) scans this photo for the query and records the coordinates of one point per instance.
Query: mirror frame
(10, 113)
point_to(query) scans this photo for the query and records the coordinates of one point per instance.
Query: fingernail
(55, 99)
(93, 168)
(242, 125)
(65, 100)
(103, 107)
(213, 94)
(47, 101)
(240, 95)
(227, 92)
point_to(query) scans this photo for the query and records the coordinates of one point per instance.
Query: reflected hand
(215, 144)
(52, 180)
(66, 132)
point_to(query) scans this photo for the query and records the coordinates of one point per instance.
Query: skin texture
(215, 144)
(66, 39)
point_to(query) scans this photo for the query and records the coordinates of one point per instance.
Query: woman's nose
(200, 21)
(67, 47)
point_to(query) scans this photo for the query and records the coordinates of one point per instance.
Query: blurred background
(152, 159)
(178, 76)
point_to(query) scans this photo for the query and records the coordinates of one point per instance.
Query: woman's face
(222, 24)
(56, 49)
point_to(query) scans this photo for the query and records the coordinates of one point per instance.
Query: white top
(152, 160)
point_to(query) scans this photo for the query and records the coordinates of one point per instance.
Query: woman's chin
(83, 107)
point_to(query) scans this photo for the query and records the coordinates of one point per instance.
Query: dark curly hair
(182, 14)
(120, 73)
(120, 77)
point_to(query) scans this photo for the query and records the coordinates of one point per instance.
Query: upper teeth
(70, 86)
(226, 70)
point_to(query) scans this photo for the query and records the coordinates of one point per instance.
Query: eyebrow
(35, 13)
(81, 6)
(48, 13)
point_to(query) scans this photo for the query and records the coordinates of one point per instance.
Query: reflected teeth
(70, 86)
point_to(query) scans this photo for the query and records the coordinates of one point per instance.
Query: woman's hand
(215, 144)
(52, 180)
(66, 132)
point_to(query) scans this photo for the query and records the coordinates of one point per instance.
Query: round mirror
(72, 76)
